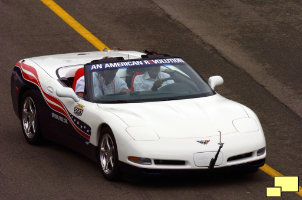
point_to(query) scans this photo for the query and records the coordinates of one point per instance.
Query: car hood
(188, 118)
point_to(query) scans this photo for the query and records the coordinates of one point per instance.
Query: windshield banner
(134, 63)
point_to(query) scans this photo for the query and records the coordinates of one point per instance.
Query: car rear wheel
(108, 155)
(29, 119)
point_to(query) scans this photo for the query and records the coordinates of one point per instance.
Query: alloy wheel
(29, 117)
(107, 153)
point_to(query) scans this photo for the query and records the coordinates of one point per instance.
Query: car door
(66, 122)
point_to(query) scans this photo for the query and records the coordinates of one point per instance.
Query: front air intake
(169, 162)
(241, 156)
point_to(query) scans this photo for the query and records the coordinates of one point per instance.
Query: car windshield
(143, 80)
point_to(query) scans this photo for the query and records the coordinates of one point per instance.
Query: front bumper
(133, 170)
(238, 149)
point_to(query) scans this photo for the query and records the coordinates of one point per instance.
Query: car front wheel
(108, 155)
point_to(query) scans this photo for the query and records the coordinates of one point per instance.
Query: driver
(109, 83)
(152, 79)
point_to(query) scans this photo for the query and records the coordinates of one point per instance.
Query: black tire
(108, 157)
(30, 118)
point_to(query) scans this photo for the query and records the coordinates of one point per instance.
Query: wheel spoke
(33, 126)
(34, 114)
(106, 165)
(111, 161)
(31, 108)
(28, 127)
(25, 107)
(25, 125)
(107, 143)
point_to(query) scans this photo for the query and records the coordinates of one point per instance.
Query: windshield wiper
(115, 101)
(169, 98)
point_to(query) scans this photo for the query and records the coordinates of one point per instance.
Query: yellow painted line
(101, 46)
(270, 171)
(74, 24)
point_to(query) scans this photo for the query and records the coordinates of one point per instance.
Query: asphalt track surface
(266, 35)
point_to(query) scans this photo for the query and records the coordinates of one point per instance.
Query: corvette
(178, 123)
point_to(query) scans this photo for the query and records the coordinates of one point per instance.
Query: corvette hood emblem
(203, 141)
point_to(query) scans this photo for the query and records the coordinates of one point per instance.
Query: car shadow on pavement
(190, 179)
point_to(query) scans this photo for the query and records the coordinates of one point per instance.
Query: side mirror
(215, 81)
(67, 92)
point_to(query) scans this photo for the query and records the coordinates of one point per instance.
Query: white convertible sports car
(137, 111)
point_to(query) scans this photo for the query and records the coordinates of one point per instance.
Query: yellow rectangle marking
(273, 192)
(270, 171)
(287, 183)
(74, 24)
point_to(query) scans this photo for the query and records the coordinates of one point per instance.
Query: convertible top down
(166, 117)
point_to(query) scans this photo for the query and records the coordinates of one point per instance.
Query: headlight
(245, 125)
(142, 134)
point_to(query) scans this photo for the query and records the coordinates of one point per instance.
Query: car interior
(69, 75)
